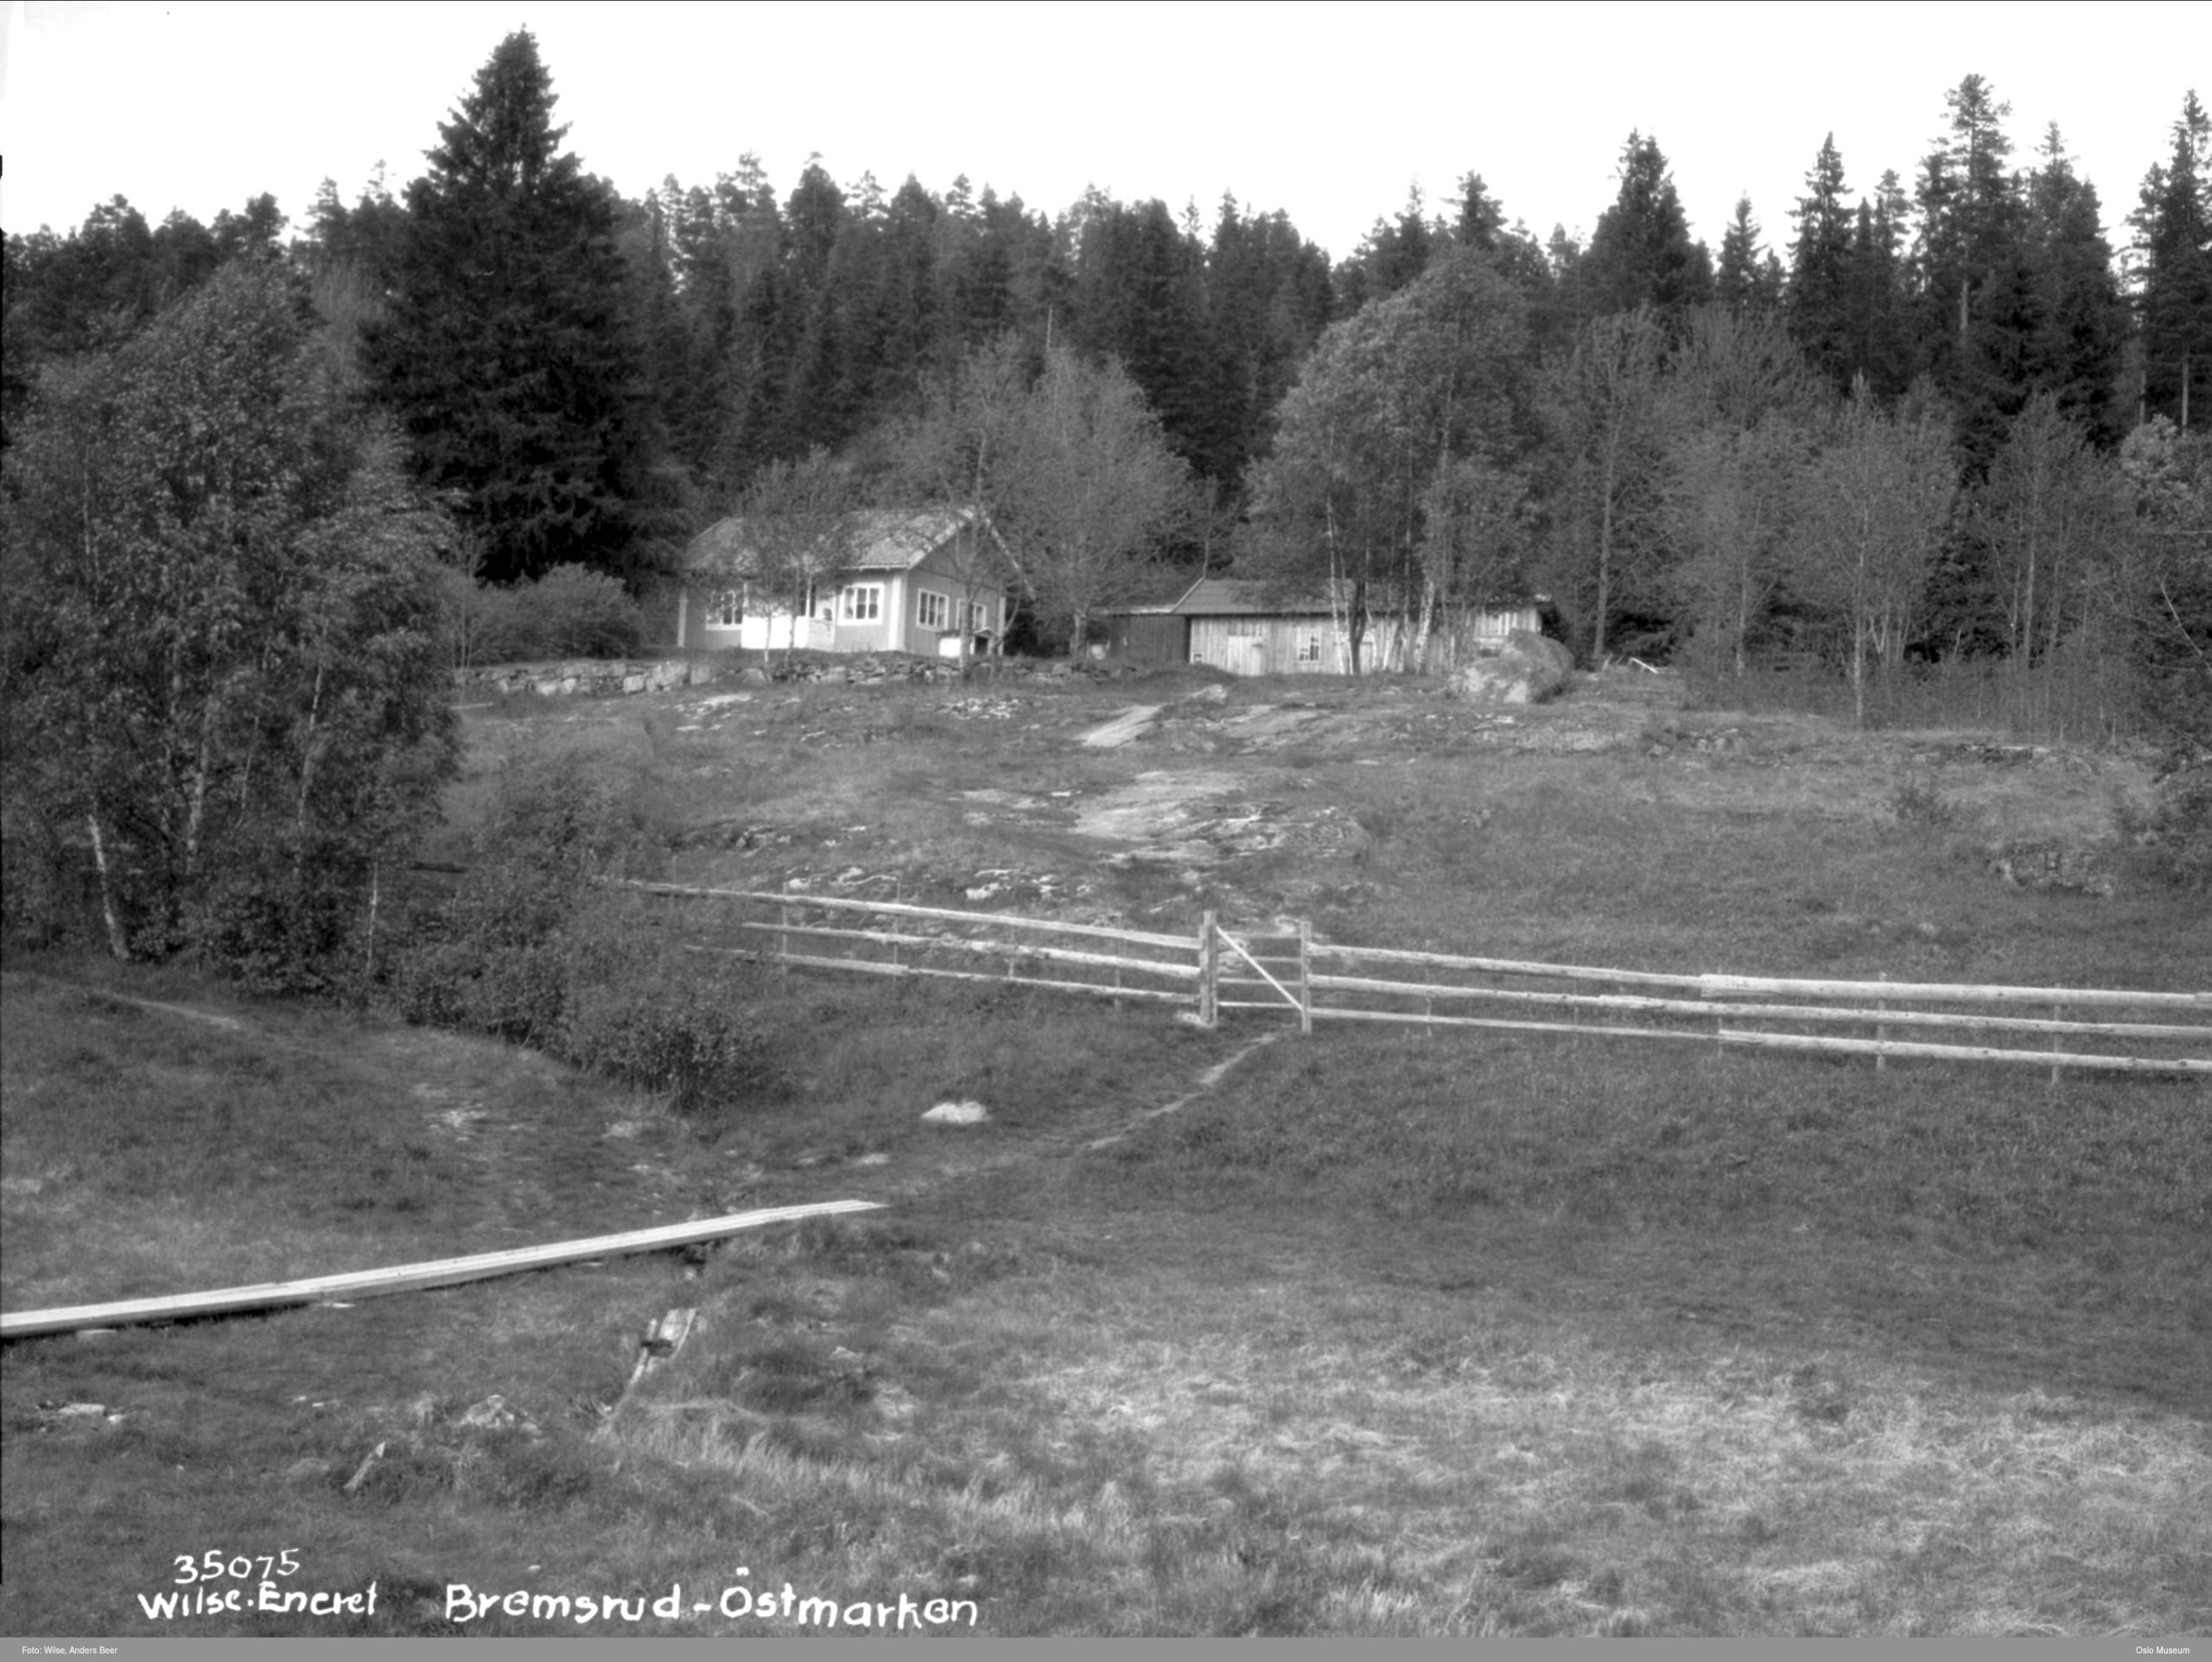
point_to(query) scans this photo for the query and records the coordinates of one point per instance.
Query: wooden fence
(1284, 971)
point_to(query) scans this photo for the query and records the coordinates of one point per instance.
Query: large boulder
(1524, 668)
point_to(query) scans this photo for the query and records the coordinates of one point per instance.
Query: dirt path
(228, 1023)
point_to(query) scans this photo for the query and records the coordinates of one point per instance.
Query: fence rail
(1272, 971)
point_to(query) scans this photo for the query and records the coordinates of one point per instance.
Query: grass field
(1377, 1335)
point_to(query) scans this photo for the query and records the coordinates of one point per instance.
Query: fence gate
(1275, 967)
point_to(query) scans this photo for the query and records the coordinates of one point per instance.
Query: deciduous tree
(2048, 515)
(1609, 448)
(227, 705)
(1088, 490)
(1878, 507)
(1398, 482)
(800, 532)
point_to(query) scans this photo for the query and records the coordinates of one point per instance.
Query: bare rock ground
(1197, 783)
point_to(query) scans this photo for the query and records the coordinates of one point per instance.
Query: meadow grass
(1380, 1334)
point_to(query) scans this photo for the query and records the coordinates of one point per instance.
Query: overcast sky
(1327, 112)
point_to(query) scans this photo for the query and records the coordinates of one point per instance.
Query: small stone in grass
(957, 1113)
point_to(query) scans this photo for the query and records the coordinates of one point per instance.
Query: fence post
(1881, 1033)
(1304, 975)
(1209, 970)
(783, 939)
(2057, 1014)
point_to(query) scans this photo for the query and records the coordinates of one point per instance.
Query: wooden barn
(1247, 628)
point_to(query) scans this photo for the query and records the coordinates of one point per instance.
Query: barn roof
(1251, 598)
(1242, 597)
(884, 539)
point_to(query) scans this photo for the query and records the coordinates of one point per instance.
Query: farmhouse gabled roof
(884, 539)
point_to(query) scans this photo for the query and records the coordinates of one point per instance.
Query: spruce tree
(1879, 325)
(2173, 234)
(1969, 222)
(1817, 298)
(1641, 254)
(2075, 355)
(507, 354)
(1742, 284)
(1479, 220)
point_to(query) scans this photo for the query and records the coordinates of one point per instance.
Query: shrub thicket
(537, 948)
(570, 612)
(2173, 838)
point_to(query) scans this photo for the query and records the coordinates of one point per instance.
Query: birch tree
(1877, 508)
(1733, 506)
(1089, 489)
(1740, 400)
(2048, 515)
(799, 532)
(1065, 471)
(1610, 430)
(1399, 479)
(228, 705)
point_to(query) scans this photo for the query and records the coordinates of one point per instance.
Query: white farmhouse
(912, 580)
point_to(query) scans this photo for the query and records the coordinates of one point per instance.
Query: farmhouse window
(932, 609)
(863, 602)
(725, 609)
(1309, 647)
(979, 616)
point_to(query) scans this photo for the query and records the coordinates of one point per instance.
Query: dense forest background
(1936, 421)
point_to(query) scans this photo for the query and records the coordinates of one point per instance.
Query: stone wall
(603, 678)
(591, 676)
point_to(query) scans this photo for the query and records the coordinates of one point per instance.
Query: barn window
(932, 610)
(1309, 647)
(1246, 629)
(862, 603)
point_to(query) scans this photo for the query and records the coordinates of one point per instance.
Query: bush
(570, 612)
(1923, 807)
(2173, 840)
(535, 948)
(493, 960)
(638, 1009)
(581, 613)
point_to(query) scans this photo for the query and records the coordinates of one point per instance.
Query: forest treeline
(1633, 424)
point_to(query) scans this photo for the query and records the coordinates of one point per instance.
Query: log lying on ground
(408, 1277)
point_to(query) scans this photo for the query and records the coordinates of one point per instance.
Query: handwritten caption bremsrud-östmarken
(785, 1606)
(219, 1584)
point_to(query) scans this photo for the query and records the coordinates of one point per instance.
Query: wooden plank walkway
(408, 1277)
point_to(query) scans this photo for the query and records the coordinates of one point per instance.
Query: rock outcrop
(1524, 668)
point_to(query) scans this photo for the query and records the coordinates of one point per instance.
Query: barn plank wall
(1261, 645)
